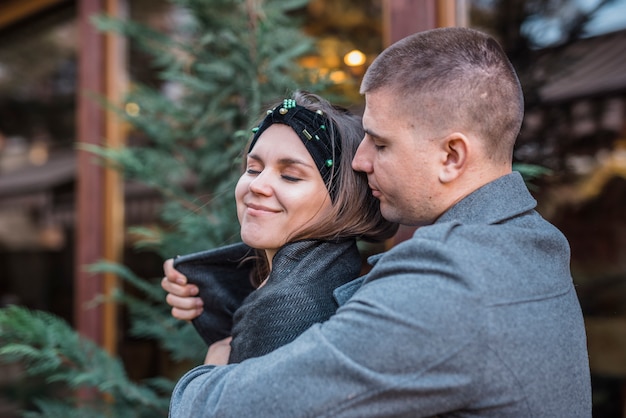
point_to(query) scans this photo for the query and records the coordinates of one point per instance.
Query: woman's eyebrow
(286, 161)
(293, 161)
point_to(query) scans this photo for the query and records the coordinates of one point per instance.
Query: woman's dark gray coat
(297, 294)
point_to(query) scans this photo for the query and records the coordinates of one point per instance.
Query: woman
(300, 202)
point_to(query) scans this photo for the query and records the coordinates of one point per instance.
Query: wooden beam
(446, 13)
(16, 10)
(401, 18)
(90, 175)
(115, 86)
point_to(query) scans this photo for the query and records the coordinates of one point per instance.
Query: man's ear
(455, 151)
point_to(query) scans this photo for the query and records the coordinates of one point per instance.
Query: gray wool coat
(474, 316)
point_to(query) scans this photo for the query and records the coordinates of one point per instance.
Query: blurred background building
(60, 210)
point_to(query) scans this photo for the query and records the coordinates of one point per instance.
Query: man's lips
(375, 192)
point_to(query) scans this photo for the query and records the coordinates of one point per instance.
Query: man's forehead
(382, 113)
(369, 121)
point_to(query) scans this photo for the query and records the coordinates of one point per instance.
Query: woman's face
(281, 191)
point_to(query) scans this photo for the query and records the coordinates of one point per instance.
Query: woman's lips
(256, 209)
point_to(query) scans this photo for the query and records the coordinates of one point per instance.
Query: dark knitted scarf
(297, 294)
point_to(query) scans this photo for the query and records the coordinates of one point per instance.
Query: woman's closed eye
(291, 179)
(253, 171)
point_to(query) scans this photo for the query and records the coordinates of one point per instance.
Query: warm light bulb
(354, 58)
(132, 109)
(338, 77)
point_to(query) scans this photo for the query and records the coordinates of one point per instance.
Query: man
(475, 315)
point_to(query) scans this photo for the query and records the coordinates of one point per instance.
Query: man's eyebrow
(372, 134)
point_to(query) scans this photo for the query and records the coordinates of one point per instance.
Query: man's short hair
(456, 78)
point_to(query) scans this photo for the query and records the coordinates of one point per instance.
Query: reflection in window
(37, 90)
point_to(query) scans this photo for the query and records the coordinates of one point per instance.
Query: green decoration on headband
(308, 124)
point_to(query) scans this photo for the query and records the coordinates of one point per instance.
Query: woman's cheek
(240, 191)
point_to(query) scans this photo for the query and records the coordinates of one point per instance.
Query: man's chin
(389, 213)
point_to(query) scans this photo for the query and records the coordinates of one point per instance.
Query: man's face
(400, 161)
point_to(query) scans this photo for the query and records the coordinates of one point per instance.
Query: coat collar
(494, 202)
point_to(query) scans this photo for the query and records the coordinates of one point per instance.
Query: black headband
(313, 130)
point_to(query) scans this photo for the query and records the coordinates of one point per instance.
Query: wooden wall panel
(89, 176)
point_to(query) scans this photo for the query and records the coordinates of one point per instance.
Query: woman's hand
(181, 296)
(218, 352)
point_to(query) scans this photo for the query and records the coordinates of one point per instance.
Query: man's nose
(362, 160)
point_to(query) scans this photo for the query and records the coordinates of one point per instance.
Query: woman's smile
(259, 210)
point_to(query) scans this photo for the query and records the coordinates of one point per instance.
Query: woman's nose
(262, 184)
